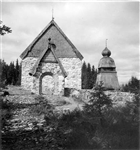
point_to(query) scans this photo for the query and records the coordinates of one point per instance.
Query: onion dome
(106, 52)
(106, 61)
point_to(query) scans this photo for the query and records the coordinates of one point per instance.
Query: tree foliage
(4, 29)
(132, 86)
(98, 101)
(10, 74)
(89, 75)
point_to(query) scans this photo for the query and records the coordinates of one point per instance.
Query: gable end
(35, 48)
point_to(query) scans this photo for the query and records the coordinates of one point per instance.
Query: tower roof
(106, 61)
(106, 52)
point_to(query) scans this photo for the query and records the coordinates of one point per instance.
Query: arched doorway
(46, 83)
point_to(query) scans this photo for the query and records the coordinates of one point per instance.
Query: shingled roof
(65, 48)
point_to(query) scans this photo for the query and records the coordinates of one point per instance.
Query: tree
(89, 77)
(132, 85)
(1, 75)
(98, 103)
(17, 71)
(4, 71)
(4, 29)
(18, 68)
(94, 75)
(84, 76)
(10, 74)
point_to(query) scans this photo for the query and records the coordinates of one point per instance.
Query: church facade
(51, 63)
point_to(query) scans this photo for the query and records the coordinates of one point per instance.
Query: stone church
(51, 63)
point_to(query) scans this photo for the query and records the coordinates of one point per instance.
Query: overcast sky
(86, 24)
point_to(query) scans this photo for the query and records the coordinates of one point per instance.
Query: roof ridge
(23, 55)
(52, 22)
(68, 40)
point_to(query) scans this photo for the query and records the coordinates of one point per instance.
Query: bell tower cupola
(107, 71)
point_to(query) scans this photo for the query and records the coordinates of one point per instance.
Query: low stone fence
(118, 97)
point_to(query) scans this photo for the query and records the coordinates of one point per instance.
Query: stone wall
(54, 82)
(118, 98)
(26, 79)
(72, 67)
(49, 84)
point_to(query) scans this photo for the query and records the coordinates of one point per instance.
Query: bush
(97, 104)
(67, 131)
(6, 114)
(123, 125)
(45, 137)
(42, 106)
(97, 126)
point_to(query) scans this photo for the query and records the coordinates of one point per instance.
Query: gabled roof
(52, 23)
(34, 69)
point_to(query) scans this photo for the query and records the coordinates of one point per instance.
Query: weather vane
(52, 14)
(106, 42)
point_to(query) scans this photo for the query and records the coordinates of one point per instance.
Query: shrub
(6, 114)
(123, 125)
(42, 107)
(98, 103)
(97, 126)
